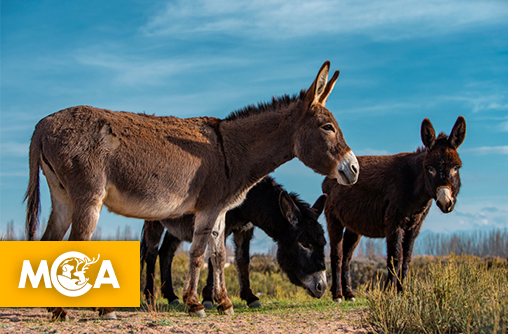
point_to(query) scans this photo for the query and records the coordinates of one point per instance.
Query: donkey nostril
(354, 169)
(319, 287)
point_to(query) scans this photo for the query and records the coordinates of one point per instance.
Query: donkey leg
(166, 254)
(203, 225)
(152, 231)
(218, 258)
(407, 253)
(58, 224)
(207, 292)
(150, 259)
(84, 220)
(61, 213)
(335, 231)
(242, 251)
(350, 242)
(394, 256)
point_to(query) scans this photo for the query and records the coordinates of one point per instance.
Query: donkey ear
(318, 86)
(320, 204)
(428, 134)
(458, 133)
(328, 89)
(288, 208)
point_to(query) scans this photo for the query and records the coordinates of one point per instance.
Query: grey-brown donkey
(155, 168)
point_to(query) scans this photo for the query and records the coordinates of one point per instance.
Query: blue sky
(400, 61)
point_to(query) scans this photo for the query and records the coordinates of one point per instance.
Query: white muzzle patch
(444, 199)
(348, 169)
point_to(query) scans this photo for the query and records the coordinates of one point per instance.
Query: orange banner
(69, 274)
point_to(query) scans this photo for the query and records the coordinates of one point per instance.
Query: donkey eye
(328, 127)
(305, 245)
(431, 170)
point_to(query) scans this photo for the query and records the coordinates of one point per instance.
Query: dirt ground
(36, 320)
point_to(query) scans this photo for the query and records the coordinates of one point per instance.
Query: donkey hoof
(62, 317)
(255, 304)
(109, 316)
(352, 299)
(337, 300)
(228, 311)
(208, 304)
(198, 314)
(174, 302)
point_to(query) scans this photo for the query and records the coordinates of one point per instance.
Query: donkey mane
(277, 104)
(304, 207)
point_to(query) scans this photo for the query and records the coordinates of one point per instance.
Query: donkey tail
(32, 196)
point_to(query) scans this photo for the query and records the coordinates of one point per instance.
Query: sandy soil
(36, 320)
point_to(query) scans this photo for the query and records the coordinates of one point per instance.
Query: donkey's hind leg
(218, 258)
(203, 226)
(166, 254)
(242, 257)
(61, 208)
(58, 223)
(85, 216)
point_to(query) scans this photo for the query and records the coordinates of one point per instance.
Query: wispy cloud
(371, 151)
(13, 149)
(282, 19)
(485, 150)
(131, 70)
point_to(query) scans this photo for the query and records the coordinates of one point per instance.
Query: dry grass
(449, 295)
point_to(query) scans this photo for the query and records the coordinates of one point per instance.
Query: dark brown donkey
(289, 221)
(390, 200)
(153, 168)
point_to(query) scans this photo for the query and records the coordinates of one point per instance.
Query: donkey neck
(256, 145)
(420, 194)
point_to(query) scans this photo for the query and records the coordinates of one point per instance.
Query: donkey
(390, 200)
(289, 221)
(154, 168)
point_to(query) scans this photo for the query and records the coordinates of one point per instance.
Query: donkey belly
(161, 207)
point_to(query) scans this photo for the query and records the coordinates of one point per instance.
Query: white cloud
(484, 150)
(395, 19)
(471, 214)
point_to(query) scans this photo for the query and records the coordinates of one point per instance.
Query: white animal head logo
(68, 273)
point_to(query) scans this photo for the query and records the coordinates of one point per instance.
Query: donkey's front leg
(218, 259)
(203, 226)
(394, 252)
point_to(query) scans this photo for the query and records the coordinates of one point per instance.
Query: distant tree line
(478, 243)
(122, 234)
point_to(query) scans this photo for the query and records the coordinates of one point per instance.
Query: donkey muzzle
(348, 169)
(444, 199)
(315, 284)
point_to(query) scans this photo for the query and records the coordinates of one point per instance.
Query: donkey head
(300, 252)
(441, 163)
(319, 142)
